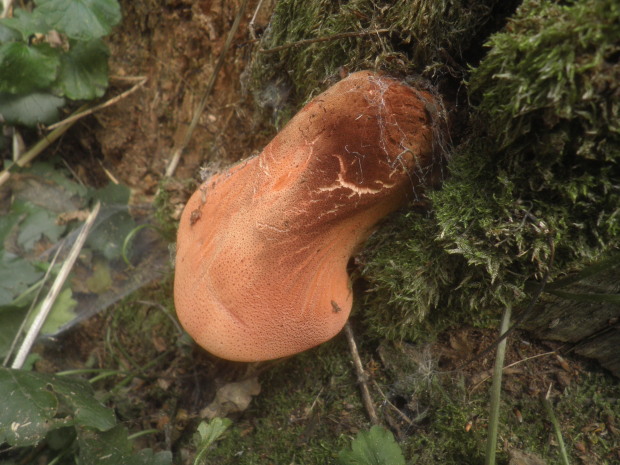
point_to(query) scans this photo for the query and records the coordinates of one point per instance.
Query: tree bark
(579, 316)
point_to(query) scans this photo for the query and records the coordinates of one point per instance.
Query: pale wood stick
(362, 378)
(48, 302)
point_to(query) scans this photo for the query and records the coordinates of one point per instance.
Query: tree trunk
(582, 315)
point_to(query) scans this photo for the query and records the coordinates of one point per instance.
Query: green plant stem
(200, 456)
(129, 238)
(86, 371)
(60, 457)
(496, 389)
(133, 374)
(556, 429)
(145, 432)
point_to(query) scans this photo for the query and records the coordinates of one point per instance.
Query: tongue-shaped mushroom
(262, 249)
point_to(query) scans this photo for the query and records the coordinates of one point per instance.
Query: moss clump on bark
(539, 171)
(535, 166)
(425, 37)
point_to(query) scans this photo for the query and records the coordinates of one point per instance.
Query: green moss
(426, 37)
(309, 409)
(537, 177)
(443, 438)
(164, 209)
(546, 167)
(411, 282)
(449, 412)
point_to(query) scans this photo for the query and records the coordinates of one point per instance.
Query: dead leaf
(163, 384)
(563, 363)
(231, 398)
(460, 343)
(519, 457)
(74, 215)
(159, 343)
(563, 378)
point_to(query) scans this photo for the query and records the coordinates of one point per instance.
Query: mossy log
(584, 312)
(532, 189)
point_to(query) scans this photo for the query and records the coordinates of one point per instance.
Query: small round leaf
(24, 68)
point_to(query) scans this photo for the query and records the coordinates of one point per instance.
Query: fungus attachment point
(262, 249)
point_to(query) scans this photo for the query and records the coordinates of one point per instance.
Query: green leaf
(62, 312)
(8, 34)
(114, 222)
(28, 408)
(61, 438)
(113, 194)
(58, 178)
(30, 109)
(16, 275)
(11, 318)
(83, 71)
(8, 221)
(114, 448)
(79, 395)
(36, 403)
(207, 434)
(37, 224)
(101, 278)
(25, 68)
(25, 23)
(80, 19)
(375, 447)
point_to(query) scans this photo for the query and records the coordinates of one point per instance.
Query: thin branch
(253, 20)
(59, 128)
(49, 300)
(33, 152)
(401, 414)
(362, 378)
(507, 367)
(23, 324)
(107, 103)
(6, 8)
(176, 154)
(342, 35)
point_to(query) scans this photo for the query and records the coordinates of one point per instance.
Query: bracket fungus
(262, 248)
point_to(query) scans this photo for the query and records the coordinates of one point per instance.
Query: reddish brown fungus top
(262, 248)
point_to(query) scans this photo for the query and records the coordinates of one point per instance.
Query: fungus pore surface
(262, 248)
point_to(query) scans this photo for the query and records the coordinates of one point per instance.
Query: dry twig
(48, 302)
(59, 128)
(507, 367)
(36, 149)
(362, 378)
(253, 20)
(6, 8)
(107, 103)
(400, 413)
(176, 153)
